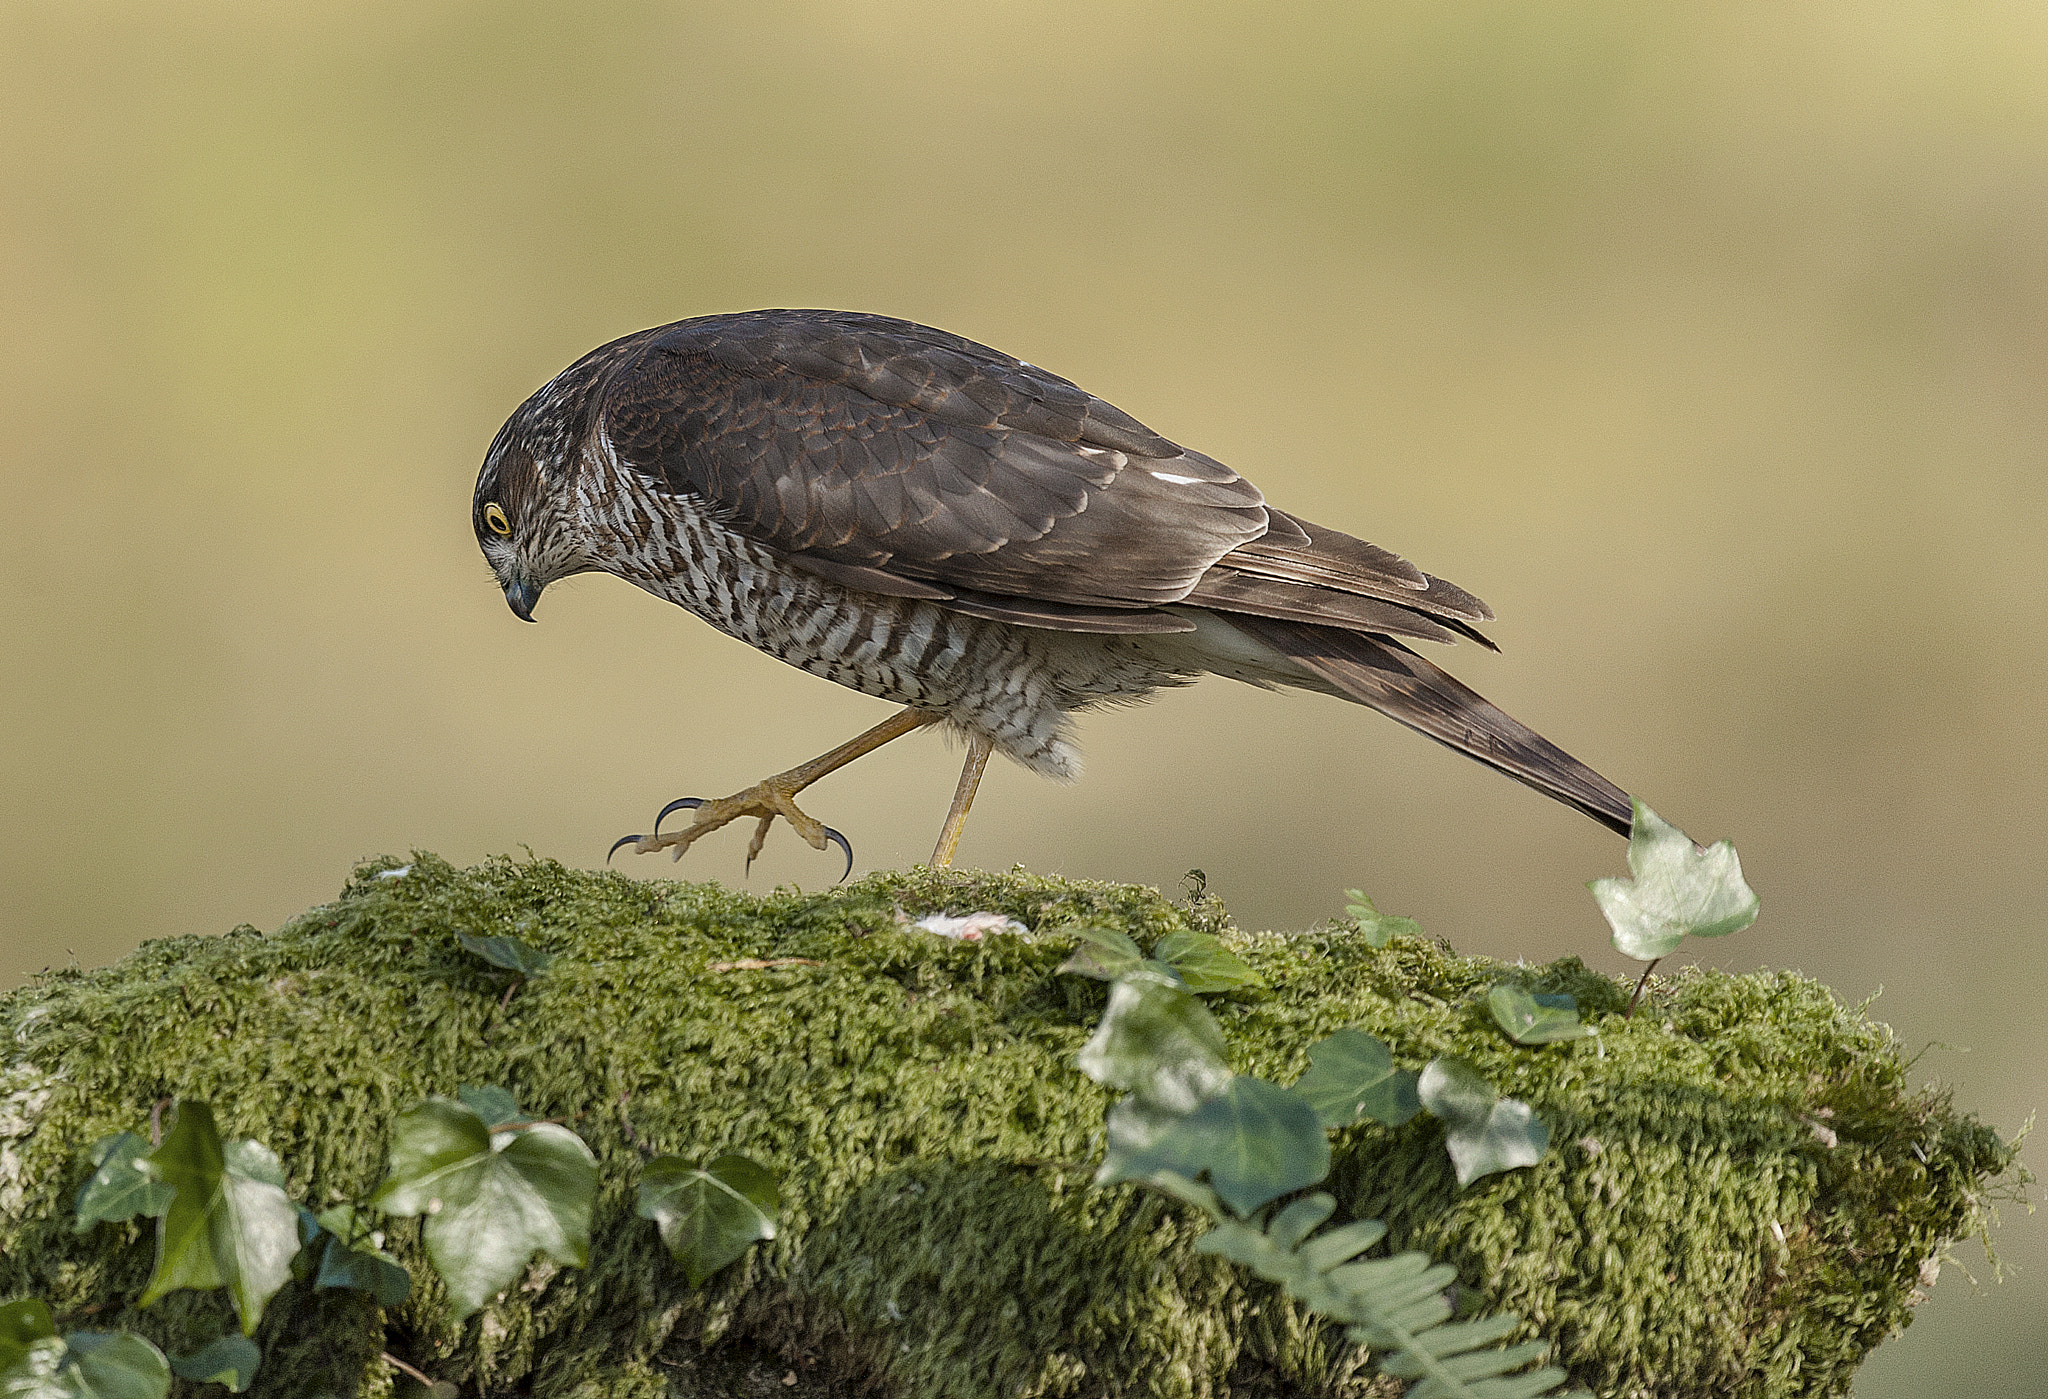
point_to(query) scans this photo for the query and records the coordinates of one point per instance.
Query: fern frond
(1299, 1220)
(1395, 1305)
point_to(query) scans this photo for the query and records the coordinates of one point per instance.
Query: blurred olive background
(1708, 343)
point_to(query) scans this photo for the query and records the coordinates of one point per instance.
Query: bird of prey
(925, 519)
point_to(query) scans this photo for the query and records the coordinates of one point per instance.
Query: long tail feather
(1382, 673)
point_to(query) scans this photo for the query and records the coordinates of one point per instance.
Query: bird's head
(525, 512)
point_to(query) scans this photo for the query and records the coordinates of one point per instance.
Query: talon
(679, 804)
(847, 846)
(760, 839)
(764, 801)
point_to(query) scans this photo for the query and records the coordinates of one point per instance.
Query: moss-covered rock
(1739, 1200)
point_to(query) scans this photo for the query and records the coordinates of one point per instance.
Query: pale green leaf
(492, 1199)
(1678, 890)
(230, 1223)
(1157, 1040)
(510, 953)
(1484, 1132)
(1341, 1245)
(120, 1187)
(363, 1270)
(1188, 1191)
(340, 1221)
(1379, 929)
(88, 1365)
(1131, 1128)
(1533, 1019)
(1204, 964)
(1300, 1219)
(1638, 930)
(1351, 1075)
(1255, 1141)
(1103, 953)
(709, 1217)
(230, 1360)
(496, 1106)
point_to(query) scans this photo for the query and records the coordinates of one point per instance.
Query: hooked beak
(521, 597)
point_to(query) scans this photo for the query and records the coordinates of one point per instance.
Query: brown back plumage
(858, 442)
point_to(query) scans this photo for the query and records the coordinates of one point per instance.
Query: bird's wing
(908, 460)
(1303, 572)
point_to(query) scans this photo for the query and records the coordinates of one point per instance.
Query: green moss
(1740, 1196)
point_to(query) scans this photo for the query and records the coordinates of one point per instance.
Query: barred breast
(1014, 685)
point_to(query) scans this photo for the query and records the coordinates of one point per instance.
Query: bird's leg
(775, 796)
(963, 797)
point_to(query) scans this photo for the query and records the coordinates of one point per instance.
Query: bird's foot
(764, 801)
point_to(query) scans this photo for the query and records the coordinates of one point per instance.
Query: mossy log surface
(1739, 1200)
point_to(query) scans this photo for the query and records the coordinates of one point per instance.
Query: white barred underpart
(1014, 685)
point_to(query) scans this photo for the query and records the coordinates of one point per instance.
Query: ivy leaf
(374, 1272)
(1484, 1132)
(1158, 1040)
(710, 1217)
(1103, 953)
(1187, 1191)
(1203, 963)
(346, 1262)
(120, 1187)
(22, 1324)
(341, 1222)
(1159, 1043)
(492, 1198)
(1133, 1125)
(88, 1365)
(230, 1223)
(307, 1257)
(231, 1360)
(1532, 1019)
(1351, 1075)
(1677, 889)
(1256, 1141)
(496, 1106)
(519, 958)
(1378, 928)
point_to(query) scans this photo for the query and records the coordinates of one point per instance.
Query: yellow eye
(495, 518)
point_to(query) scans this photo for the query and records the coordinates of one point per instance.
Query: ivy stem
(1641, 982)
(156, 1121)
(388, 1358)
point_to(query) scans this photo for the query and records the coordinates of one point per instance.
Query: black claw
(679, 804)
(622, 840)
(847, 846)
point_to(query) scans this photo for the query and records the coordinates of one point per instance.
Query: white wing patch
(1173, 480)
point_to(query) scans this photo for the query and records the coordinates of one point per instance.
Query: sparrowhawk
(925, 519)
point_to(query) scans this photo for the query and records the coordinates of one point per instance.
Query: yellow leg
(775, 796)
(963, 798)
